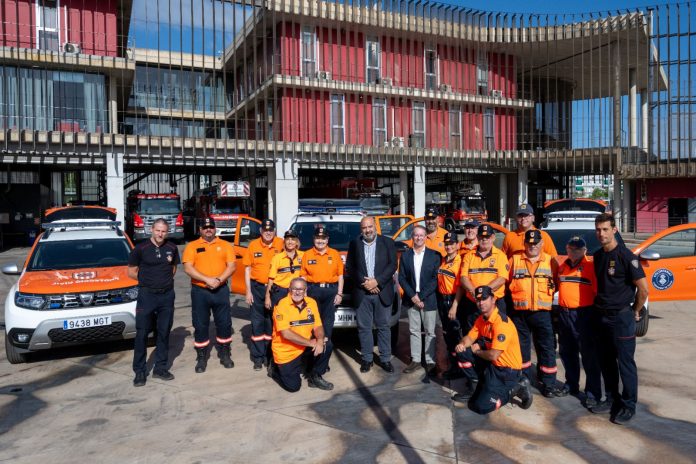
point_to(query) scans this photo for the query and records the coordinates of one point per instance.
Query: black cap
(450, 238)
(483, 292)
(431, 213)
(208, 222)
(577, 242)
(267, 224)
(471, 222)
(532, 236)
(525, 209)
(290, 234)
(485, 230)
(321, 232)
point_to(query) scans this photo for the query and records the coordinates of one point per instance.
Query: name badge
(258, 255)
(312, 261)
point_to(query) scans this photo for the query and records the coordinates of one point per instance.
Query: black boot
(201, 360)
(523, 392)
(224, 355)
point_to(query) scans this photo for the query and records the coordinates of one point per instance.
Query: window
(379, 122)
(455, 125)
(430, 69)
(489, 129)
(47, 25)
(308, 52)
(676, 245)
(418, 136)
(482, 72)
(337, 119)
(249, 230)
(372, 58)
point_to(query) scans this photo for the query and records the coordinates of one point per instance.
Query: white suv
(72, 289)
(343, 225)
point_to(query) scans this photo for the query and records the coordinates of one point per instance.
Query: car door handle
(691, 268)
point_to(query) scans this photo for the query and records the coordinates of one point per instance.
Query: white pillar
(644, 119)
(115, 195)
(632, 108)
(522, 187)
(502, 199)
(270, 183)
(113, 106)
(617, 203)
(626, 205)
(403, 192)
(419, 191)
(286, 193)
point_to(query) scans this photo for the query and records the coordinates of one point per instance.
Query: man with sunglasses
(153, 264)
(210, 261)
(298, 340)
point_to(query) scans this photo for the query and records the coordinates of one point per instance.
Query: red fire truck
(456, 208)
(143, 208)
(224, 202)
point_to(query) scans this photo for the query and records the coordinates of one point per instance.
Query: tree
(599, 193)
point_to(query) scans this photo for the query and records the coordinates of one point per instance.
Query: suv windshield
(77, 254)
(560, 238)
(340, 234)
(374, 202)
(575, 205)
(471, 205)
(159, 206)
(229, 206)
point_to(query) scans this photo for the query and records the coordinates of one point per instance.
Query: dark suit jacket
(385, 267)
(428, 278)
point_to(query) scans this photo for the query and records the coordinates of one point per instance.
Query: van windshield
(159, 206)
(229, 206)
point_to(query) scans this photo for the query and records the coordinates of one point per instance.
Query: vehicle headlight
(131, 293)
(29, 301)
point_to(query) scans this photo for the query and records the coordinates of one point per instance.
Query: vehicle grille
(225, 223)
(87, 334)
(149, 220)
(74, 301)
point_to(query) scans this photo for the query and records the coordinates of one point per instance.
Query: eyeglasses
(298, 290)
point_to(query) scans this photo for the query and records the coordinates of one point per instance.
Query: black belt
(325, 285)
(611, 312)
(157, 290)
(257, 282)
(579, 308)
(276, 288)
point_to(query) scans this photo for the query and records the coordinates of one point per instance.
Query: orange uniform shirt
(577, 285)
(466, 248)
(208, 258)
(500, 334)
(284, 269)
(300, 319)
(514, 243)
(482, 271)
(322, 268)
(448, 276)
(258, 257)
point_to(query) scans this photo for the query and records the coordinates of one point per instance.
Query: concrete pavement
(79, 404)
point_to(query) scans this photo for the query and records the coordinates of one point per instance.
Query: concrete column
(644, 119)
(115, 194)
(286, 188)
(616, 62)
(113, 106)
(617, 202)
(502, 199)
(626, 205)
(419, 191)
(632, 108)
(522, 183)
(403, 192)
(270, 182)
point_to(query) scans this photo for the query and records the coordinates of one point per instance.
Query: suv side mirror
(649, 255)
(11, 269)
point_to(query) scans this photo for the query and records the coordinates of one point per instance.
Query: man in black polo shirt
(153, 264)
(617, 308)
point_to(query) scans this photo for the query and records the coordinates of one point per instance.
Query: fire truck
(143, 208)
(372, 200)
(224, 202)
(455, 208)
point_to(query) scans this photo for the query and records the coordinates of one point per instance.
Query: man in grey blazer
(418, 279)
(371, 264)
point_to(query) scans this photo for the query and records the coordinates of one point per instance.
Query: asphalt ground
(78, 404)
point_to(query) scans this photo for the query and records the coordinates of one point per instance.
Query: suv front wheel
(13, 356)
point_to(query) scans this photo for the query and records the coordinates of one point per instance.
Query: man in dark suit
(418, 279)
(371, 264)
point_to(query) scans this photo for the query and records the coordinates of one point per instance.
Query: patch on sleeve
(501, 337)
(279, 317)
(635, 263)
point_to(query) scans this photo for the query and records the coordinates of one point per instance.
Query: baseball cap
(450, 238)
(483, 292)
(471, 222)
(577, 242)
(290, 233)
(532, 236)
(485, 230)
(431, 213)
(208, 222)
(267, 224)
(321, 232)
(525, 209)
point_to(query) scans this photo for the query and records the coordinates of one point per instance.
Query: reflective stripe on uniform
(464, 365)
(548, 370)
(526, 364)
(223, 340)
(201, 344)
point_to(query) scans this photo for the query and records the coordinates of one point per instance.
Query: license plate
(345, 317)
(85, 322)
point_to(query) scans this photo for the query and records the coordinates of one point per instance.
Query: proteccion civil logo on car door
(662, 279)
